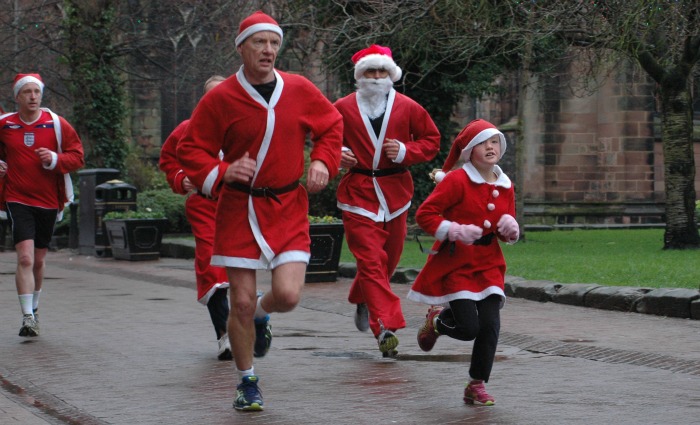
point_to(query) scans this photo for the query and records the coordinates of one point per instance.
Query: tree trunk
(679, 166)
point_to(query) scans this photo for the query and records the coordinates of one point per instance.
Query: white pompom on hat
(258, 21)
(377, 57)
(22, 79)
(474, 133)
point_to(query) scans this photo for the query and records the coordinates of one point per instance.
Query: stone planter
(326, 244)
(136, 239)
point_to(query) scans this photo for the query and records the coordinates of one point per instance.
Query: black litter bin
(114, 195)
(89, 179)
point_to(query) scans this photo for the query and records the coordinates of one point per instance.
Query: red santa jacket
(383, 198)
(464, 271)
(234, 118)
(168, 162)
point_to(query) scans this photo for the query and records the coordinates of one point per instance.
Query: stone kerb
(671, 302)
(573, 293)
(618, 298)
(534, 290)
(695, 309)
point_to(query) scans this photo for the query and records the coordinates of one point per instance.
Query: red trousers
(200, 212)
(377, 249)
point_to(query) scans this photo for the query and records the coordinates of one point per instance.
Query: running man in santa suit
(212, 282)
(384, 133)
(38, 149)
(260, 118)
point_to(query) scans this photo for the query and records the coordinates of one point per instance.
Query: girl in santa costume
(470, 209)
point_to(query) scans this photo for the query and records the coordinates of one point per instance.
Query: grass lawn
(607, 257)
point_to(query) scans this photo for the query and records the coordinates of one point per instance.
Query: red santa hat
(22, 79)
(257, 22)
(474, 133)
(377, 57)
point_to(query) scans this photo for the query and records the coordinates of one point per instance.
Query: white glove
(508, 228)
(465, 233)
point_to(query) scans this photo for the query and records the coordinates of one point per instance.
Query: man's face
(259, 52)
(29, 98)
(375, 73)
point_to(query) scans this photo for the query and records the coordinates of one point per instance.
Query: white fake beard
(372, 95)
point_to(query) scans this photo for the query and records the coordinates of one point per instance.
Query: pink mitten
(508, 228)
(465, 233)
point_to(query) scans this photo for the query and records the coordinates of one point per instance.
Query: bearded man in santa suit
(385, 132)
(260, 118)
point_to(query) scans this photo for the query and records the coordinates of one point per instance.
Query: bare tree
(443, 43)
(664, 38)
(167, 47)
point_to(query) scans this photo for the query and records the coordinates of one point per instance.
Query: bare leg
(39, 266)
(287, 283)
(24, 277)
(241, 329)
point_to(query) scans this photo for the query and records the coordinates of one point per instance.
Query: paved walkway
(126, 343)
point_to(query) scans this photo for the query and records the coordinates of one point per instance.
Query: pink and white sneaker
(475, 393)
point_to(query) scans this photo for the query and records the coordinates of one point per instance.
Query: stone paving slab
(126, 343)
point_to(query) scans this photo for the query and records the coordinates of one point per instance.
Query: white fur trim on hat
(257, 28)
(480, 138)
(378, 61)
(25, 80)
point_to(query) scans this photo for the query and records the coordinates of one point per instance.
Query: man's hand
(45, 155)
(347, 159)
(391, 148)
(187, 185)
(3, 168)
(241, 170)
(317, 177)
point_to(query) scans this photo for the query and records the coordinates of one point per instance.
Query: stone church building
(588, 156)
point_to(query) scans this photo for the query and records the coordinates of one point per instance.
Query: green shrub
(142, 172)
(141, 214)
(326, 219)
(170, 204)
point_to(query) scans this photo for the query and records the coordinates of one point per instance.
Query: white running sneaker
(224, 348)
(362, 317)
(29, 326)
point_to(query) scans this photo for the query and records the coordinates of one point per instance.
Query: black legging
(480, 321)
(218, 311)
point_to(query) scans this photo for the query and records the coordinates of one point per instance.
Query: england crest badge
(29, 139)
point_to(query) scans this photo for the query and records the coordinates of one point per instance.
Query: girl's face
(487, 153)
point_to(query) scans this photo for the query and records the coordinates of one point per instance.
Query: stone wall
(589, 156)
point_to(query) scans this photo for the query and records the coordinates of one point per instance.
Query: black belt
(379, 173)
(265, 192)
(484, 240)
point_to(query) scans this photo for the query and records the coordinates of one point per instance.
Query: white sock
(259, 312)
(25, 302)
(249, 372)
(35, 300)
